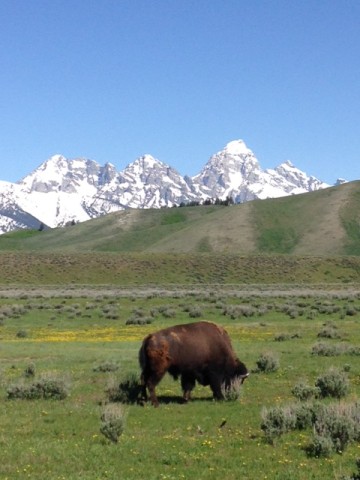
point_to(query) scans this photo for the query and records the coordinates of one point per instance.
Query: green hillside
(305, 239)
(325, 222)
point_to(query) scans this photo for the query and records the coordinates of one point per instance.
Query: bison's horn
(243, 377)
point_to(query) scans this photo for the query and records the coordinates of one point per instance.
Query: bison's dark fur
(198, 351)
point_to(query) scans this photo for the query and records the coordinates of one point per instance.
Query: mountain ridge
(62, 191)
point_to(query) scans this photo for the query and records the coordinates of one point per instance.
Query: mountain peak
(237, 147)
(148, 160)
(145, 163)
(56, 158)
(289, 163)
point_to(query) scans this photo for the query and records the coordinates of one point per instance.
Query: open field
(283, 277)
(70, 332)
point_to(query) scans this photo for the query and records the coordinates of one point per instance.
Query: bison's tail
(143, 365)
(142, 353)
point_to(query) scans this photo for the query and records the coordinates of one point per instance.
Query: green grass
(71, 292)
(173, 216)
(16, 240)
(351, 224)
(124, 231)
(70, 335)
(279, 223)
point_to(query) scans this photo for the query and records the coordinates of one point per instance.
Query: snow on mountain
(59, 174)
(61, 190)
(298, 179)
(69, 185)
(145, 183)
(228, 173)
(235, 172)
(12, 215)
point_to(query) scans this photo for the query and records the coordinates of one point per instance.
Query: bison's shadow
(168, 399)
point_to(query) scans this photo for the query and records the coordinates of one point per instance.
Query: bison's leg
(187, 384)
(153, 397)
(150, 381)
(143, 387)
(215, 385)
(216, 389)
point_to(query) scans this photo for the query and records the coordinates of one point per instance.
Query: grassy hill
(310, 238)
(325, 222)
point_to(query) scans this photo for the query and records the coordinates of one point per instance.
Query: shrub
(29, 370)
(292, 311)
(139, 321)
(113, 420)
(49, 386)
(107, 366)
(154, 312)
(195, 312)
(22, 334)
(112, 316)
(277, 421)
(267, 362)
(167, 311)
(320, 446)
(238, 311)
(5, 311)
(108, 308)
(330, 324)
(282, 337)
(333, 383)
(232, 392)
(338, 424)
(352, 350)
(328, 331)
(328, 309)
(332, 350)
(126, 390)
(335, 426)
(325, 350)
(303, 391)
(305, 414)
(138, 312)
(350, 311)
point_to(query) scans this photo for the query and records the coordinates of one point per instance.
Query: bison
(199, 351)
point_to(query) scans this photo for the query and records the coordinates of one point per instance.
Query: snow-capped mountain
(145, 183)
(235, 172)
(69, 176)
(12, 215)
(228, 172)
(61, 191)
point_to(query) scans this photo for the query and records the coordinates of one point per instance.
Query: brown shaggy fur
(199, 351)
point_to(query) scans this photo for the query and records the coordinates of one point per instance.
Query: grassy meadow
(281, 275)
(73, 334)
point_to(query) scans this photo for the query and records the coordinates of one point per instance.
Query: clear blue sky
(112, 80)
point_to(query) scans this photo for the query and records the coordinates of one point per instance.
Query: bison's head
(241, 371)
